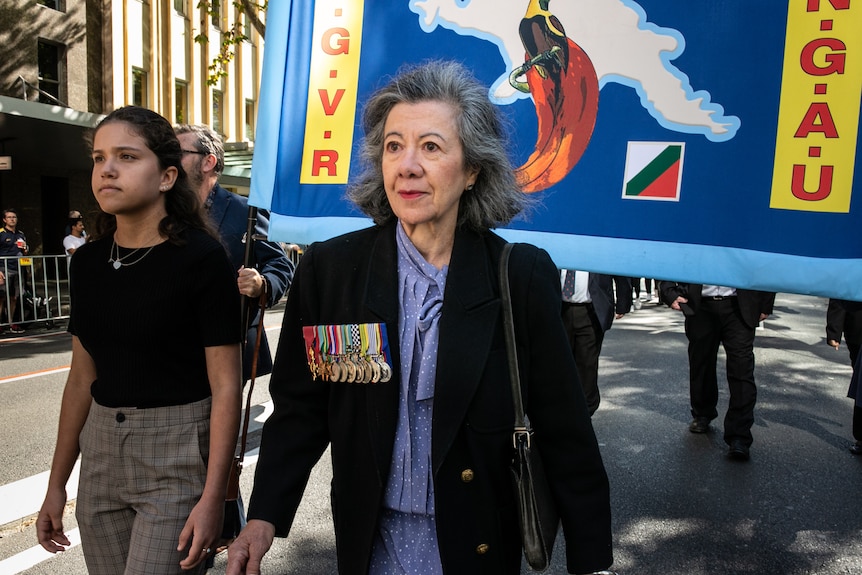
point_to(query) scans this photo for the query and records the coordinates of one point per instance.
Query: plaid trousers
(142, 472)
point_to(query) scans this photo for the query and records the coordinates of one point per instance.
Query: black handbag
(537, 514)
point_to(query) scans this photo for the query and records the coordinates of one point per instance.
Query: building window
(181, 102)
(246, 26)
(217, 13)
(249, 120)
(139, 87)
(53, 4)
(180, 6)
(218, 111)
(50, 69)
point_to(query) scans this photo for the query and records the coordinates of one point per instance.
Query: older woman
(420, 462)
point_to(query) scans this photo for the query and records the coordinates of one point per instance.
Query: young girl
(155, 359)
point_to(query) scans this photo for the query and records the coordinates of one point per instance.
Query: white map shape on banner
(615, 34)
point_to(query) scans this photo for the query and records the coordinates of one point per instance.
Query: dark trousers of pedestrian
(585, 338)
(718, 322)
(857, 410)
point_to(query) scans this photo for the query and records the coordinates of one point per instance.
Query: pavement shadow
(680, 506)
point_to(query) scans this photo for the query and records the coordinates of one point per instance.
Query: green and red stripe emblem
(653, 170)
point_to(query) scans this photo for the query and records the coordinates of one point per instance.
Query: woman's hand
(201, 532)
(245, 554)
(49, 523)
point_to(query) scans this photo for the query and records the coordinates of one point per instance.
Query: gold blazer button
(467, 475)
(482, 549)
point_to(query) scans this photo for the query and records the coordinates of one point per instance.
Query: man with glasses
(270, 270)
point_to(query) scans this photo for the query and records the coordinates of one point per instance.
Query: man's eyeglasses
(195, 152)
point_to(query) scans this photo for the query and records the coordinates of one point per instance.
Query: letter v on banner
(332, 88)
(818, 116)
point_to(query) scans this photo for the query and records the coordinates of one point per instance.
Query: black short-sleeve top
(146, 324)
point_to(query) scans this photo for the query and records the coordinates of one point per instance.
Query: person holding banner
(269, 271)
(421, 444)
(719, 315)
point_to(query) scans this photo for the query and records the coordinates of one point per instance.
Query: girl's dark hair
(182, 203)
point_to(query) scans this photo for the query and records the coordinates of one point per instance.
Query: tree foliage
(232, 36)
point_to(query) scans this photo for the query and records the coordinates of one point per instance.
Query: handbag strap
(252, 376)
(511, 351)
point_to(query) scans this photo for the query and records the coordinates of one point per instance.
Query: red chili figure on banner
(565, 90)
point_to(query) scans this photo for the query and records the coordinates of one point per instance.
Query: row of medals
(352, 368)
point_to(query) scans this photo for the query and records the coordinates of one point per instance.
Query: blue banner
(708, 142)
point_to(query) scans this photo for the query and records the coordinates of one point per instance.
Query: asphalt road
(680, 506)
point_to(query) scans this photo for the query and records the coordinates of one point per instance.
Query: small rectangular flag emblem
(653, 170)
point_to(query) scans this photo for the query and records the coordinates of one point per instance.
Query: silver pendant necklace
(118, 262)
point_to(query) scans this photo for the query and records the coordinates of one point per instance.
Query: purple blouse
(407, 539)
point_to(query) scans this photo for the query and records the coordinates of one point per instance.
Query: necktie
(569, 285)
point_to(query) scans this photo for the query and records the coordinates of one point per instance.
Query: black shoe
(856, 448)
(738, 450)
(699, 425)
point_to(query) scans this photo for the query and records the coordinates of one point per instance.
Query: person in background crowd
(13, 244)
(152, 399)
(844, 318)
(74, 215)
(719, 315)
(589, 310)
(417, 296)
(270, 270)
(636, 285)
(75, 238)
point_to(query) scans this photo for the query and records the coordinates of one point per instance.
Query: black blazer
(229, 214)
(353, 279)
(844, 317)
(752, 303)
(605, 304)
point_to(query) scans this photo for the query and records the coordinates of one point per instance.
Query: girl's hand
(49, 523)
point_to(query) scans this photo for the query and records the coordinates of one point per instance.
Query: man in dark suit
(721, 315)
(844, 318)
(589, 309)
(270, 270)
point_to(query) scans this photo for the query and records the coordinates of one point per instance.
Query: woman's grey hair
(496, 197)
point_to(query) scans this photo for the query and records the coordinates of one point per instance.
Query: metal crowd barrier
(41, 287)
(294, 252)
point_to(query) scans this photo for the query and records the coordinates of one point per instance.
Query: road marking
(63, 369)
(33, 374)
(35, 555)
(24, 497)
